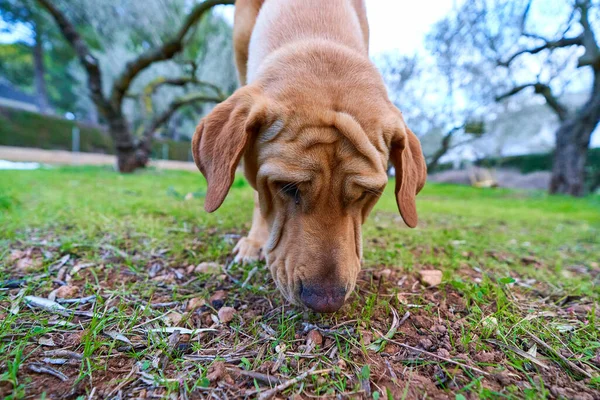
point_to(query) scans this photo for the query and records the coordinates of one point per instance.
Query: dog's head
(319, 168)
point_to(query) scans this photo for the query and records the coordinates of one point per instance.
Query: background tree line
(492, 76)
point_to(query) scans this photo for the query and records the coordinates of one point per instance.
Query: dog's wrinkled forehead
(303, 143)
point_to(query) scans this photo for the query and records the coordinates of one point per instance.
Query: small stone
(489, 326)
(430, 278)
(314, 337)
(226, 314)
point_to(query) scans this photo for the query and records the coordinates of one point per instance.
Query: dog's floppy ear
(411, 172)
(222, 137)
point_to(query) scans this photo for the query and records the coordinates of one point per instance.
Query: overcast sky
(397, 25)
(402, 25)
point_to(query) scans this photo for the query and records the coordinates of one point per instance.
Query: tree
(513, 39)
(131, 152)
(23, 11)
(427, 93)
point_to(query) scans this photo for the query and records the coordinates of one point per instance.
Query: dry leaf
(219, 295)
(226, 314)
(195, 303)
(430, 277)
(385, 273)
(217, 370)
(173, 318)
(314, 337)
(66, 292)
(46, 341)
(208, 268)
(29, 264)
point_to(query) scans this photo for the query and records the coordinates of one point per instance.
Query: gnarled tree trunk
(572, 143)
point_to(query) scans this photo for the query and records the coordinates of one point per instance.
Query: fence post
(75, 138)
(165, 151)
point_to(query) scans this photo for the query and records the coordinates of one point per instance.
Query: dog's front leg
(250, 248)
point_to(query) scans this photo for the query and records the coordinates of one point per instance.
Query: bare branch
(165, 52)
(525, 15)
(592, 51)
(173, 107)
(445, 146)
(87, 59)
(540, 88)
(549, 45)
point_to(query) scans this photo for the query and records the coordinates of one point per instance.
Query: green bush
(27, 129)
(536, 162)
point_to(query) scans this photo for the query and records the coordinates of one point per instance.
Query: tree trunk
(130, 155)
(572, 143)
(40, 72)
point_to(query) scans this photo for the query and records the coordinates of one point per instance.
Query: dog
(315, 129)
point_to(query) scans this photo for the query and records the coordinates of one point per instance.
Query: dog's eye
(292, 191)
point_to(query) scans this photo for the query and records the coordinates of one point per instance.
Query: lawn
(142, 300)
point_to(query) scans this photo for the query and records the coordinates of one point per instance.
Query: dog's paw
(248, 251)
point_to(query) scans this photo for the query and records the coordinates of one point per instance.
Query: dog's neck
(291, 23)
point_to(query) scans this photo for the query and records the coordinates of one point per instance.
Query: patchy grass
(514, 317)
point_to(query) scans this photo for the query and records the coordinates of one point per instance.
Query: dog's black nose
(323, 298)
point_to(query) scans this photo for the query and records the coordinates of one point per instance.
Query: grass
(514, 317)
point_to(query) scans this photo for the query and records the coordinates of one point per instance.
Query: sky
(401, 25)
(397, 25)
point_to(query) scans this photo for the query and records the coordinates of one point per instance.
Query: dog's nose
(323, 298)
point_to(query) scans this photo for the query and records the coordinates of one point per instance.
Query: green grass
(514, 264)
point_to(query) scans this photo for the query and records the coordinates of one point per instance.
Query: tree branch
(549, 45)
(87, 59)
(162, 118)
(165, 52)
(540, 88)
(592, 51)
(445, 146)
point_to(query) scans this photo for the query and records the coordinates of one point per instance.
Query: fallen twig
(270, 379)
(43, 369)
(63, 354)
(448, 360)
(53, 307)
(267, 394)
(125, 381)
(569, 363)
(81, 300)
(250, 275)
(184, 331)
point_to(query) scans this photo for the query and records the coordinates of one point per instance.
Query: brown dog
(316, 130)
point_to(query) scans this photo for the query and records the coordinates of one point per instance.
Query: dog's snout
(323, 298)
